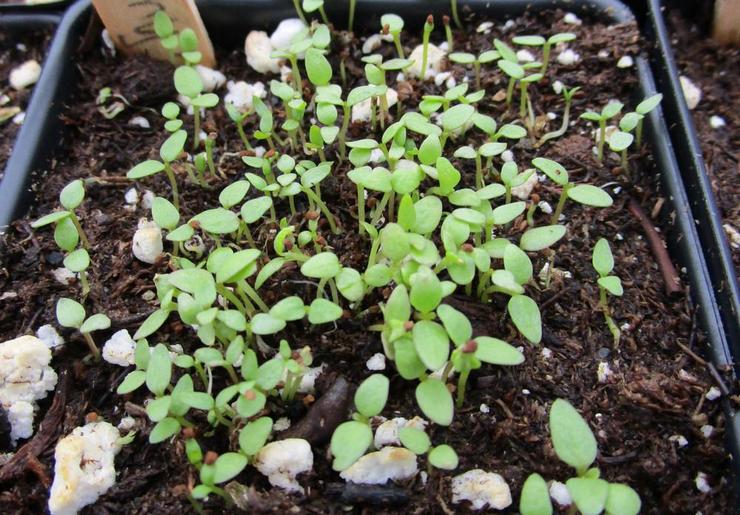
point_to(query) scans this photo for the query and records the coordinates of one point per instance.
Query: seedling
(509, 65)
(189, 84)
(568, 97)
(586, 194)
(299, 11)
(168, 152)
(448, 33)
(619, 142)
(453, 8)
(642, 109)
(428, 28)
(465, 58)
(574, 444)
(487, 150)
(393, 24)
(165, 31)
(524, 102)
(603, 262)
(351, 22)
(546, 44)
(316, 5)
(71, 313)
(609, 111)
(68, 231)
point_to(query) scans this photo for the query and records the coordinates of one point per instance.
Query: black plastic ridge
(696, 179)
(227, 23)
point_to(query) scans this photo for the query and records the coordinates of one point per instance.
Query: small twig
(718, 379)
(556, 296)
(692, 354)
(667, 270)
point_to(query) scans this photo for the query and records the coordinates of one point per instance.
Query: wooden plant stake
(130, 25)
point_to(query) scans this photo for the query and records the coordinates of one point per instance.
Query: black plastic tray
(695, 177)
(33, 148)
(18, 6)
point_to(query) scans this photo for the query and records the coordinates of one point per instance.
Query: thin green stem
(450, 40)
(380, 208)
(616, 333)
(638, 133)
(351, 15)
(461, 384)
(545, 57)
(332, 224)
(453, 6)
(322, 12)
(91, 345)
(173, 185)
(602, 138)
(510, 91)
(243, 136)
(425, 49)
(196, 128)
(299, 11)
(399, 48)
(78, 226)
(561, 203)
(252, 294)
(360, 207)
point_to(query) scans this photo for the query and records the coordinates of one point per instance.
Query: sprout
(488, 150)
(428, 28)
(312, 5)
(393, 24)
(453, 8)
(568, 97)
(165, 31)
(603, 262)
(448, 33)
(71, 313)
(168, 152)
(351, 22)
(299, 11)
(189, 84)
(509, 65)
(610, 110)
(620, 142)
(635, 119)
(465, 58)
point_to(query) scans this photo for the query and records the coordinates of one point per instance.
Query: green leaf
(163, 24)
(612, 284)
(397, 307)
(372, 394)
(427, 214)
(430, 150)
(535, 498)
(508, 212)
(252, 210)
(394, 22)
(248, 407)
(505, 50)
(457, 325)
(322, 311)
(622, 500)
(164, 213)
(349, 442)
(447, 175)
(562, 37)
(350, 284)
(629, 121)
(510, 68)
(317, 67)
(187, 81)
(72, 194)
(323, 265)
(620, 141)
(234, 193)
(590, 195)
(270, 373)
(611, 109)
(77, 261)
(66, 235)
(217, 221)
(254, 435)
(588, 494)
(158, 408)
(431, 343)
(415, 440)
(70, 313)
(649, 104)
(529, 40)
(443, 457)
(518, 263)
(238, 266)
(262, 324)
(540, 238)
(159, 371)
(312, 5)
(145, 169)
(553, 170)
(394, 242)
(497, 352)
(426, 290)
(171, 148)
(164, 429)
(602, 258)
(572, 439)
(132, 381)
(409, 365)
(461, 57)
(455, 117)
(289, 309)
(50, 219)
(591, 116)
(526, 317)
(377, 275)
(151, 324)
(182, 233)
(268, 271)
(97, 322)
(196, 281)
(510, 131)
(435, 400)
(228, 465)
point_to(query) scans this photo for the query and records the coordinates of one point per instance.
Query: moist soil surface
(654, 393)
(15, 49)
(715, 69)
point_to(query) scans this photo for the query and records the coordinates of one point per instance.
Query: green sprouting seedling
(165, 31)
(428, 28)
(239, 118)
(433, 103)
(453, 9)
(546, 44)
(393, 24)
(189, 84)
(325, 267)
(511, 177)
(586, 194)
(448, 33)
(295, 108)
(266, 129)
(168, 152)
(351, 22)
(609, 111)
(603, 262)
(189, 47)
(619, 142)
(310, 6)
(352, 439)
(113, 109)
(465, 58)
(574, 443)
(509, 64)
(68, 231)
(375, 71)
(71, 313)
(568, 97)
(417, 441)
(318, 68)
(525, 105)
(487, 150)
(635, 119)
(215, 470)
(171, 111)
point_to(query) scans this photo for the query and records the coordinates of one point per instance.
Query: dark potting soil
(658, 379)
(715, 69)
(15, 49)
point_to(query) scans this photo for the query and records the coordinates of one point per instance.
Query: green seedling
(165, 31)
(428, 28)
(351, 22)
(375, 71)
(310, 6)
(169, 152)
(299, 11)
(603, 262)
(525, 105)
(108, 110)
(546, 44)
(619, 142)
(568, 98)
(417, 441)
(634, 120)
(465, 58)
(68, 231)
(453, 9)
(393, 24)
(239, 118)
(448, 33)
(586, 194)
(487, 150)
(189, 84)
(609, 111)
(71, 313)
(575, 445)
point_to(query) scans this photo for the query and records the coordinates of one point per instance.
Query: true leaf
(572, 439)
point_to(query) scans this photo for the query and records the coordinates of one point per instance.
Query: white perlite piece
(568, 57)
(147, 198)
(572, 19)
(361, 111)
(435, 60)
(707, 430)
(557, 87)
(49, 335)
(387, 432)
(691, 92)
(83, 468)
(702, 483)
(680, 440)
(484, 408)
(119, 349)
(25, 377)
(283, 460)
(603, 372)
(523, 191)
(131, 197)
(733, 235)
(717, 122)
(374, 42)
(126, 424)
(212, 79)
(713, 394)
(546, 353)
(241, 94)
(284, 33)
(24, 75)
(485, 27)
(376, 468)
(258, 48)
(63, 275)
(19, 118)
(560, 494)
(139, 121)
(482, 489)
(625, 61)
(525, 56)
(147, 242)
(376, 362)
(281, 424)
(507, 155)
